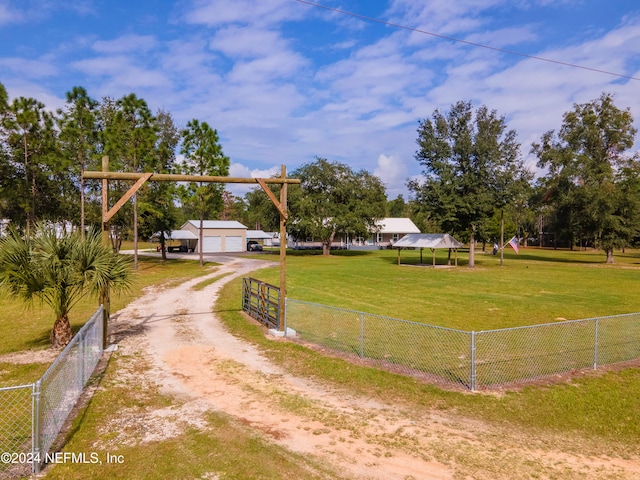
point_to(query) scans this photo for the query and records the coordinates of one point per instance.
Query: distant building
(388, 231)
(218, 235)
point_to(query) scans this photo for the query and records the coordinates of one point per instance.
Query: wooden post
(105, 201)
(283, 248)
(105, 296)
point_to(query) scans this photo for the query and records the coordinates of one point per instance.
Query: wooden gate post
(283, 248)
(105, 295)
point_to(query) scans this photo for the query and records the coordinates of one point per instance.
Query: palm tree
(60, 269)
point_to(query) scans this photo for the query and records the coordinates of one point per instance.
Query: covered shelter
(178, 240)
(259, 236)
(429, 240)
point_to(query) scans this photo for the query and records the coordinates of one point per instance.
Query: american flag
(514, 244)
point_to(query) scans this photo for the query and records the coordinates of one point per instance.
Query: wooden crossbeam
(130, 193)
(175, 177)
(273, 198)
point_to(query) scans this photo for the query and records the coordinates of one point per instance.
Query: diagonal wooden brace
(130, 193)
(273, 198)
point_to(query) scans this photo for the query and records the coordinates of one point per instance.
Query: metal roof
(178, 235)
(427, 240)
(223, 224)
(257, 234)
(397, 225)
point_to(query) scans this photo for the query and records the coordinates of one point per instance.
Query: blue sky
(283, 81)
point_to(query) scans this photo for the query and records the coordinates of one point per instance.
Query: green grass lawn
(537, 286)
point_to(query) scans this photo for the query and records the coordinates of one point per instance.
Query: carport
(259, 236)
(186, 240)
(429, 240)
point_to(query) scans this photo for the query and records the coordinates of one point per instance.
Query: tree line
(588, 194)
(474, 180)
(43, 156)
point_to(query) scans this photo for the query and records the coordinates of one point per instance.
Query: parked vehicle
(253, 246)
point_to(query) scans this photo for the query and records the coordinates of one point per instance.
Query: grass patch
(537, 286)
(593, 415)
(16, 374)
(205, 283)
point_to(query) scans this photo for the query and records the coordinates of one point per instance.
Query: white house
(388, 231)
(391, 230)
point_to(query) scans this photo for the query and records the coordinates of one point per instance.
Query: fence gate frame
(141, 178)
(262, 301)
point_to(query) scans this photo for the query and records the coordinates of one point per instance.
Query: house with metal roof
(388, 232)
(384, 235)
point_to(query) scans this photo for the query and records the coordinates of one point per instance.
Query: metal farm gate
(262, 302)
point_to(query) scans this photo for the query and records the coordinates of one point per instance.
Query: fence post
(473, 361)
(35, 427)
(595, 347)
(361, 334)
(283, 315)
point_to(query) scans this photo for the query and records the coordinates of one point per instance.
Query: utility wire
(501, 50)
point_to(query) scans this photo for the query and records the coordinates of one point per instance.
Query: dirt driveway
(196, 359)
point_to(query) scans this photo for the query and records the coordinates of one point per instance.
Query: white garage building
(219, 236)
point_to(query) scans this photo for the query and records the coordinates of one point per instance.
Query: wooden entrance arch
(141, 178)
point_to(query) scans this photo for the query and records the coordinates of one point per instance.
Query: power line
(437, 35)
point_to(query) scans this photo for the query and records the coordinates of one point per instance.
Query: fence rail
(473, 360)
(32, 416)
(261, 301)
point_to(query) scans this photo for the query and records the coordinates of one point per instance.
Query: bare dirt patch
(190, 355)
(30, 356)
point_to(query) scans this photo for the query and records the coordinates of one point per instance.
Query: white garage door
(233, 244)
(211, 244)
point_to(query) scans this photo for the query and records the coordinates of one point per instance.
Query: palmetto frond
(60, 269)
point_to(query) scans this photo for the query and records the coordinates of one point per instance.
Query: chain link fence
(32, 416)
(472, 360)
(16, 430)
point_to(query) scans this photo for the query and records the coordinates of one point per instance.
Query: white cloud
(126, 43)
(246, 68)
(393, 173)
(29, 68)
(242, 171)
(221, 12)
(9, 15)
